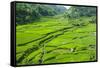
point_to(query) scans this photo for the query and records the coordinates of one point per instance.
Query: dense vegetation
(76, 12)
(53, 34)
(26, 13)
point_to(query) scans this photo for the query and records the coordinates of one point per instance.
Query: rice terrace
(47, 34)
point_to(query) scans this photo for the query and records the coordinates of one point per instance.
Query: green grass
(55, 40)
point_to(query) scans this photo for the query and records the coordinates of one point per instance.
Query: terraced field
(55, 40)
